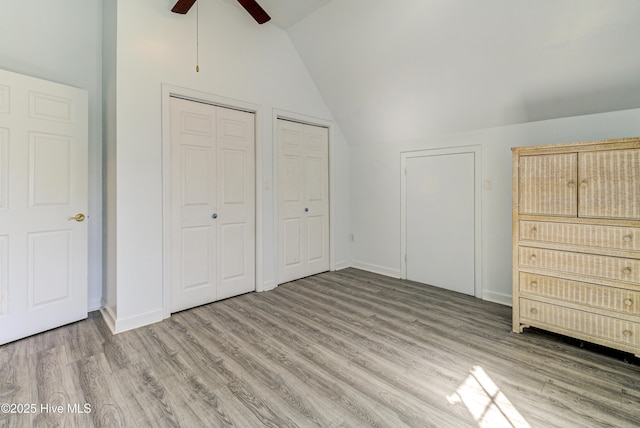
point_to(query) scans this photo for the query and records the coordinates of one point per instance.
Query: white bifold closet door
(213, 203)
(303, 200)
(43, 205)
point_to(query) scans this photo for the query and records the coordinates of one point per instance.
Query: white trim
(501, 298)
(169, 91)
(341, 265)
(139, 320)
(382, 270)
(476, 150)
(109, 316)
(268, 285)
(314, 121)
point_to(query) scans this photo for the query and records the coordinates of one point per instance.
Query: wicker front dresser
(576, 241)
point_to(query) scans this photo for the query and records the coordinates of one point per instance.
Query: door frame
(168, 91)
(306, 120)
(476, 150)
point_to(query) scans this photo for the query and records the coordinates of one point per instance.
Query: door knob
(78, 217)
(214, 215)
(306, 210)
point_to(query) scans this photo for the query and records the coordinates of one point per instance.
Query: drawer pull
(533, 258)
(628, 238)
(534, 230)
(628, 302)
(583, 183)
(571, 183)
(534, 311)
(627, 333)
(627, 270)
(534, 284)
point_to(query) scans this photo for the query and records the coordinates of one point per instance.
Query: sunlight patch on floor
(486, 403)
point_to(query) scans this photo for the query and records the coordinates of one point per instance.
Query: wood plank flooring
(347, 348)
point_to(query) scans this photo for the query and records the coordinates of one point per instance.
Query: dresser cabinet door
(548, 185)
(610, 184)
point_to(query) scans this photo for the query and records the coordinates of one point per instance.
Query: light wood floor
(347, 348)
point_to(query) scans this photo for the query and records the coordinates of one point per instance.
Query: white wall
(61, 41)
(375, 189)
(239, 60)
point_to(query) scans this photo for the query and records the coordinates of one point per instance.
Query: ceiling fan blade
(255, 10)
(183, 6)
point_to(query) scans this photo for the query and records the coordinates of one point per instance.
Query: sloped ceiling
(285, 13)
(406, 69)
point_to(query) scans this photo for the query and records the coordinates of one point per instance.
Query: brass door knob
(78, 217)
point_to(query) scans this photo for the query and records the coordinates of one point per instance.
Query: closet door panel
(303, 200)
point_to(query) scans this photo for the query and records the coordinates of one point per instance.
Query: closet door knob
(78, 217)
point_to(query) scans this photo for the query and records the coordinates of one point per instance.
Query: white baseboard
(266, 286)
(119, 325)
(501, 298)
(341, 265)
(140, 320)
(109, 316)
(382, 270)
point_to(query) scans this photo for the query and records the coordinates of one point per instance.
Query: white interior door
(236, 202)
(440, 220)
(43, 204)
(303, 200)
(213, 203)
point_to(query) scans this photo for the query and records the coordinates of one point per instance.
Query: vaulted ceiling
(285, 13)
(394, 70)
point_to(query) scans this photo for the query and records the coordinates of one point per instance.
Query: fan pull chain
(197, 37)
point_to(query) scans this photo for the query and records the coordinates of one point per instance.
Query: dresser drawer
(582, 293)
(585, 323)
(588, 235)
(614, 268)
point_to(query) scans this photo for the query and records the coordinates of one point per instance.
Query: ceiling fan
(251, 6)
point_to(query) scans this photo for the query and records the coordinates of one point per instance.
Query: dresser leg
(519, 328)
